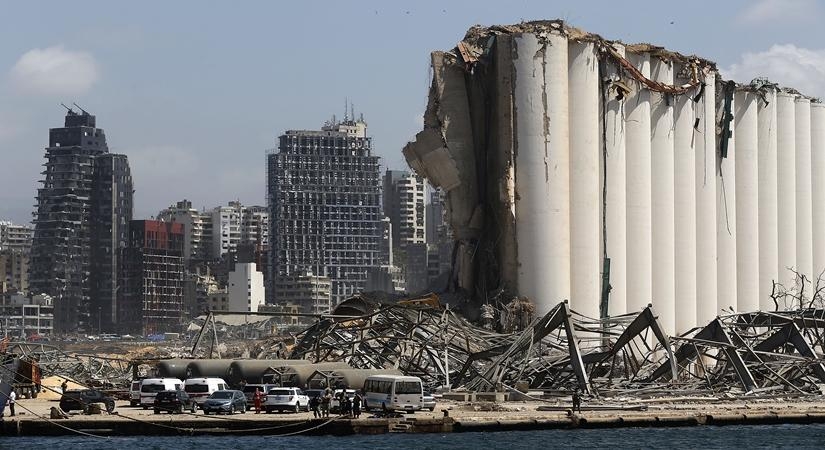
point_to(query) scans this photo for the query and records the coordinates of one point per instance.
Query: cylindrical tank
(786, 185)
(348, 378)
(804, 196)
(173, 368)
(251, 370)
(542, 170)
(208, 368)
(585, 227)
(684, 202)
(706, 263)
(747, 201)
(662, 197)
(818, 184)
(299, 375)
(768, 237)
(616, 196)
(637, 136)
(726, 221)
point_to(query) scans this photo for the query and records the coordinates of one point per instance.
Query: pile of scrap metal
(563, 350)
(88, 370)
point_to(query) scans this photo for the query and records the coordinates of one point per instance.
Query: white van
(199, 389)
(393, 393)
(134, 393)
(150, 387)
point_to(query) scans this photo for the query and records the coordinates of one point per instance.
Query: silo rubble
(616, 176)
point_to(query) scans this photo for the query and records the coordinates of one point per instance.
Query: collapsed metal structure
(563, 350)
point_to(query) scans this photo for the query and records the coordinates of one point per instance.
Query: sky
(196, 92)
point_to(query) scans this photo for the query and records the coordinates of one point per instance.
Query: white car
(335, 403)
(286, 399)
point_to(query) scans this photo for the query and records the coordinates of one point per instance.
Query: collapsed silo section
(208, 368)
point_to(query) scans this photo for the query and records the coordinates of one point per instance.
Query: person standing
(325, 404)
(356, 405)
(577, 401)
(64, 386)
(257, 397)
(314, 403)
(10, 401)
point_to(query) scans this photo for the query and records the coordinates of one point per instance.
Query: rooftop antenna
(352, 110)
(67, 108)
(78, 107)
(346, 102)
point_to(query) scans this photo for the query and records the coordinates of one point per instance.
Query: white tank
(768, 237)
(684, 180)
(747, 201)
(818, 185)
(804, 196)
(542, 170)
(616, 219)
(706, 262)
(637, 138)
(585, 228)
(786, 185)
(662, 196)
(726, 224)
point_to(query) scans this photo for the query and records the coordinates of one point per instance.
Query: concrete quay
(32, 419)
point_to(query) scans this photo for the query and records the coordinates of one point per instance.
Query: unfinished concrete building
(323, 191)
(617, 175)
(152, 278)
(83, 210)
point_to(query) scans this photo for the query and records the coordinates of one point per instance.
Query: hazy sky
(194, 92)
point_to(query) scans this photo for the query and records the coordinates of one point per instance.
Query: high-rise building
(16, 238)
(152, 278)
(236, 224)
(83, 209)
(246, 288)
(312, 293)
(14, 268)
(197, 245)
(324, 199)
(404, 203)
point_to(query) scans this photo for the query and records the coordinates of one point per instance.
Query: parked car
(134, 393)
(82, 398)
(335, 403)
(286, 399)
(249, 392)
(174, 402)
(228, 401)
(428, 402)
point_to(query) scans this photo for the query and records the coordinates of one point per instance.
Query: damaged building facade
(615, 176)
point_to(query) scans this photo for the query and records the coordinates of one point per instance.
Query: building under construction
(83, 208)
(152, 278)
(323, 190)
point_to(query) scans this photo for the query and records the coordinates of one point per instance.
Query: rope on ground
(245, 430)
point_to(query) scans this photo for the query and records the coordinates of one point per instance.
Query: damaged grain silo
(620, 175)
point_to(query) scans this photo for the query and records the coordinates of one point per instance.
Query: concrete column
(640, 250)
(585, 229)
(542, 170)
(726, 224)
(685, 210)
(768, 237)
(818, 185)
(705, 158)
(747, 201)
(616, 196)
(804, 196)
(786, 184)
(662, 197)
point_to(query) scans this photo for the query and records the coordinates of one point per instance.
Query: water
(750, 437)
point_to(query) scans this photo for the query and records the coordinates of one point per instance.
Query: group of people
(349, 407)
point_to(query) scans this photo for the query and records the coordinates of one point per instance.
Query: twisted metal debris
(749, 352)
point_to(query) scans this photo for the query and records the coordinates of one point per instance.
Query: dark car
(228, 401)
(174, 402)
(81, 399)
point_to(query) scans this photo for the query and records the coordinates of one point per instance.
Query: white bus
(393, 393)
